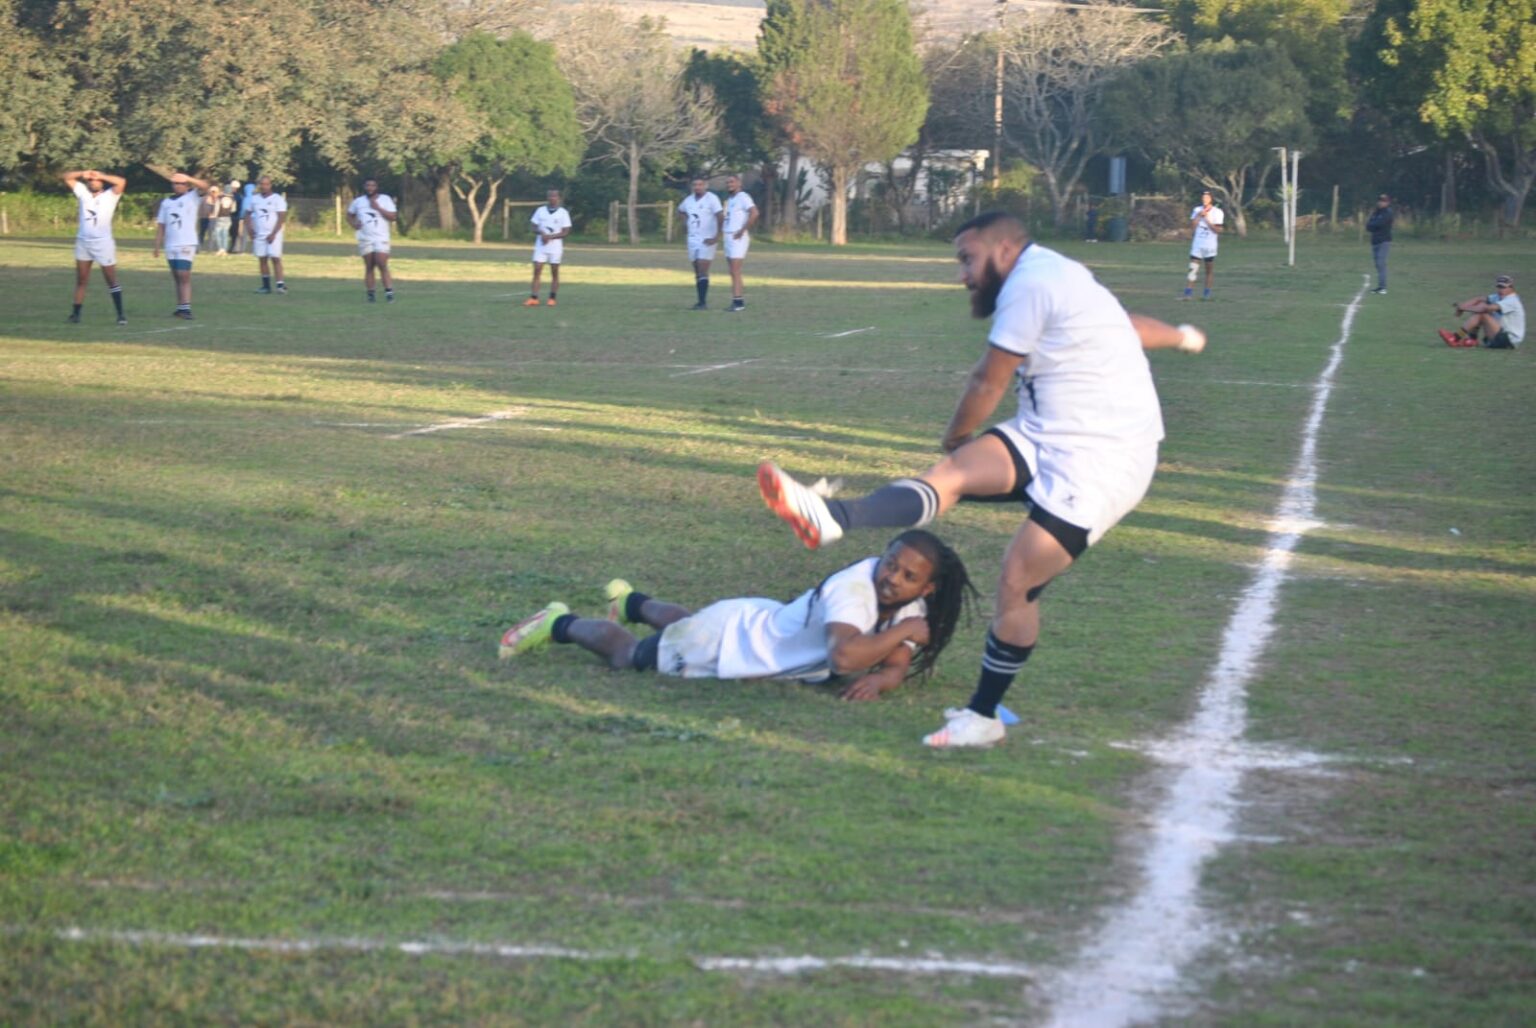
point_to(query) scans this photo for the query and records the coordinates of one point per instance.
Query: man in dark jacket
(1379, 224)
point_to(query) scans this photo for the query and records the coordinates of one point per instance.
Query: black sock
(702, 285)
(280, 284)
(77, 310)
(551, 294)
(560, 631)
(389, 291)
(632, 607)
(534, 294)
(905, 503)
(117, 299)
(999, 663)
(266, 281)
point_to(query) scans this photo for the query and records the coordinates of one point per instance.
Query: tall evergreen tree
(850, 89)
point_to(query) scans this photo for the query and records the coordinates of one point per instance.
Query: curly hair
(950, 602)
(951, 599)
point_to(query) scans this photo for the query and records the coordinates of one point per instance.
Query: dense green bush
(56, 213)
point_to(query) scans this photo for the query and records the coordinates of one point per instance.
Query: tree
(853, 93)
(523, 107)
(782, 37)
(1311, 32)
(33, 82)
(1482, 82)
(204, 86)
(632, 95)
(1056, 63)
(1214, 113)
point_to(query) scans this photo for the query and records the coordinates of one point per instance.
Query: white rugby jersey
(179, 216)
(96, 211)
(701, 212)
(546, 221)
(1511, 315)
(264, 210)
(371, 227)
(738, 209)
(1203, 234)
(1085, 381)
(766, 639)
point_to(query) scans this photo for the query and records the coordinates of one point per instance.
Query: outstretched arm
(1159, 335)
(984, 390)
(1475, 305)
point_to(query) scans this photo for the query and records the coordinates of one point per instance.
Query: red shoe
(1449, 338)
(532, 301)
(548, 303)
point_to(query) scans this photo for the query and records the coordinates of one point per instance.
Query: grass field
(248, 611)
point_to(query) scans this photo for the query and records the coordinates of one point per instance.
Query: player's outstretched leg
(532, 632)
(803, 507)
(980, 468)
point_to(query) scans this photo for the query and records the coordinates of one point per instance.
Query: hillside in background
(732, 24)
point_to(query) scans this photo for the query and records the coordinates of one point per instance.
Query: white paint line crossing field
(1136, 958)
(445, 426)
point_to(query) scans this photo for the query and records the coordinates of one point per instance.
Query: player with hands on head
(371, 215)
(97, 194)
(176, 233)
(880, 620)
(551, 224)
(1079, 454)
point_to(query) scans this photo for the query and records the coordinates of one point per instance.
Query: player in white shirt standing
(176, 234)
(551, 224)
(98, 194)
(1207, 220)
(704, 215)
(265, 217)
(740, 217)
(371, 215)
(1080, 452)
(882, 619)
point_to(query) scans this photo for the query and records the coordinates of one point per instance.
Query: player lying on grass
(882, 619)
(1079, 454)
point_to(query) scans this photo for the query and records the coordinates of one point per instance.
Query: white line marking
(500, 415)
(158, 331)
(850, 332)
(932, 964)
(1138, 953)
(1277, 385)
(716, 367)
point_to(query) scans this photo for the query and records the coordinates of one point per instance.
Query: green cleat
(531, 632)
(618, 592)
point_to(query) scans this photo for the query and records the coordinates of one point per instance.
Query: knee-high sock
(905, 503)
(1000, 662)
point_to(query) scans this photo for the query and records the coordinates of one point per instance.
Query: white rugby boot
(965, 727)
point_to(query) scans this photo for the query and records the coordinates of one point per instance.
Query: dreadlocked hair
(951, 599)
(949, 602)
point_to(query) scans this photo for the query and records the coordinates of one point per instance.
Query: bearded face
(985, 292)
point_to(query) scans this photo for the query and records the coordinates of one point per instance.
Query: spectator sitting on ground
(1498, 318)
